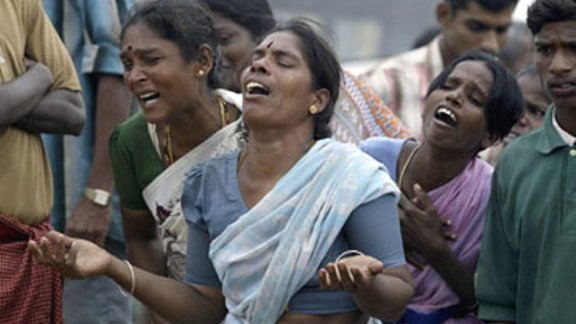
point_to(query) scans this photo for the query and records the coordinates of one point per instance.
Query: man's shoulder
(519, 154)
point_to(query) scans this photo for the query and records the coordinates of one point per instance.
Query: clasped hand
(424, 232)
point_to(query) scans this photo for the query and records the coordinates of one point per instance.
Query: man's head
(553, 24)
(473, 24)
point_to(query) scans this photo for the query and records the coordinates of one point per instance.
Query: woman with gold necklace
(445, 187)
(169, 55)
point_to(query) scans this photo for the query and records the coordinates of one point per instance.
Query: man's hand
(89, 221)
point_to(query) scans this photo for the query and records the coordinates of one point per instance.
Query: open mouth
(256, 88)
(149, 96)
(447, 116)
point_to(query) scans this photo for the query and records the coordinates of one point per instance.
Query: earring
(200, 73)
(313, 110)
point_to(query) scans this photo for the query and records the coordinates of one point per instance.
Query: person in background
(527, 265)
(83, 204)
(517, 53)
(40, 93)
(169, 56)
(272, 223)
(473, 103)
(401, 81)
(536, 102)
(359, 114)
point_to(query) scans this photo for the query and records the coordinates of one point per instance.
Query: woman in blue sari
(295, 227)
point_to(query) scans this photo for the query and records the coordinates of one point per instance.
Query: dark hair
(254, 15)
(517, 52)
(490, 5)
(544, 12)
(505, 102)
(323, 64)
(185, 23)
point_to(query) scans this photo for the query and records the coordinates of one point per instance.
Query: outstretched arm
(379, 281)
(175, 300)
(379, 292)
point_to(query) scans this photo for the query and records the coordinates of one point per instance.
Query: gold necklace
(405, 167)
(223, 110)
(168, 150)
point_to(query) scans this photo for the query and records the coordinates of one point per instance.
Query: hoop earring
(313, 110)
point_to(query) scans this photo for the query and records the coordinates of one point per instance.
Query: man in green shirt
(527, 267)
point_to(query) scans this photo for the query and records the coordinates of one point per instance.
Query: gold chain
(169, 151)
(223, 111)
(405, 167)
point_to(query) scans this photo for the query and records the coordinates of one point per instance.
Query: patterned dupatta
(270, 252)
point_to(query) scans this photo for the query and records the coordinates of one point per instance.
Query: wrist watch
(98, 196)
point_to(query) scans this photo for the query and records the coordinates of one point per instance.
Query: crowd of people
(237, 174)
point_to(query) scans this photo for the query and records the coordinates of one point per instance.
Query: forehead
(138, 33)
(474, 11)
(564, 31)
(285, 41)
(474, 72)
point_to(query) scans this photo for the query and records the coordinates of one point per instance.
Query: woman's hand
(73, 258)
(350, 273)
(423, 230)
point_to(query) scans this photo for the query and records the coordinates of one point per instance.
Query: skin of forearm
(22, 94)
(386, 298)
(112, 107)
(174, 300)
(458, 277)
(59, 112)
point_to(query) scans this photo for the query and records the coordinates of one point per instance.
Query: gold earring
(200, 73)
(313, 110)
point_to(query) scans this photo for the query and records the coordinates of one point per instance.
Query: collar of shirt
(566, 137)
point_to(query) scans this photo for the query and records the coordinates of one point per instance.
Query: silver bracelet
(348, 253)
(132, 280)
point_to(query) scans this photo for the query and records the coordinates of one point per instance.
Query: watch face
(101, 198)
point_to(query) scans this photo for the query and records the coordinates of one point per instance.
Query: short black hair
(185, 23)
(490, 5)
(543, 12)
(254, 15)
(505, 103)
(323, 64)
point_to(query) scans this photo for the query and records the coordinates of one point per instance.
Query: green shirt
(527, 267)
(135, 161)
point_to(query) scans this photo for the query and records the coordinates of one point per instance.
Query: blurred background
(366, 30)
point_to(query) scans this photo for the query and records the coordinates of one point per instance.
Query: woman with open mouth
(294, 227)
(445, 187)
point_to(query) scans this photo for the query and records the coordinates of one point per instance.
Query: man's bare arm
(59, 112)
(22, 94)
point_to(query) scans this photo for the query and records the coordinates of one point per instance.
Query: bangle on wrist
(132, 280)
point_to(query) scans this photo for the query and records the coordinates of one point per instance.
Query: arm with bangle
(176, 301)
